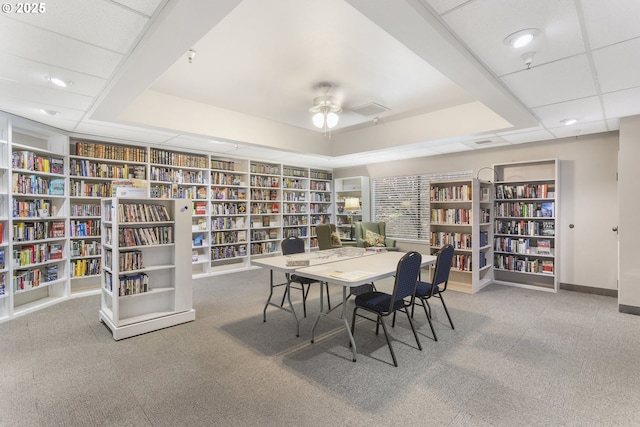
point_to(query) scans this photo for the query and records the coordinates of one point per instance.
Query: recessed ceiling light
(521, 38)
(569, 122)
(49, 112)
(58, 81)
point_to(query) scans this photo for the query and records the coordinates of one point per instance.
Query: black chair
(295, 245)
(426, 290)
(382, 304)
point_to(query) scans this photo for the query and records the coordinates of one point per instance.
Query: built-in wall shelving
(238, 208)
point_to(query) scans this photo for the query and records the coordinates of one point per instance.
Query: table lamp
(351, 205)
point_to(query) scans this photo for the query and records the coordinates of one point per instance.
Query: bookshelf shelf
(526, 224)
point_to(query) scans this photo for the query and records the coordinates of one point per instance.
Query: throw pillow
(335, 239)
(374, 239)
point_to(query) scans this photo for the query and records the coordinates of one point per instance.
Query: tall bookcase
(93, 169)
(354, 188)
(461, 215)
(295, 203)
(146, 277)
(5, 197)
(320, 201)
(265, 214)
(39, 221)
(229, 214)
(526, 226)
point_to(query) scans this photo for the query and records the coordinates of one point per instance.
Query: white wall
(629, 292)
(588, 192)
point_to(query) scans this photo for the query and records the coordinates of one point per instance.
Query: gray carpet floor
(517, 357)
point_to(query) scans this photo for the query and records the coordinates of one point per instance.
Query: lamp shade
(351, 204)
(318, 120)
(332, 120)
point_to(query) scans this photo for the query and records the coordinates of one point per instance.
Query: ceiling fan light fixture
(332, 120)
(521, 38)
(325, 109)
(318, 120)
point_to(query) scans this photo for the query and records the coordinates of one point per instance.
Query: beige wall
(588, 196)
(629, 232)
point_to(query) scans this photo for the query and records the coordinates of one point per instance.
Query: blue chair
(382, 304)
(295, 245)
(426, 290)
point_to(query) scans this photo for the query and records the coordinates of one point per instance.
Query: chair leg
(386, 335)
(353, 325)
(304, 298)
(445, 310)
(428, 314)
(415, 334)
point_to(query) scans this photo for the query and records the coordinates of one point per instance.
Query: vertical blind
(402, 202)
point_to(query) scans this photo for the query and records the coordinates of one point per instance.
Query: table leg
(346, 322)
(315, 322)
(268, 303)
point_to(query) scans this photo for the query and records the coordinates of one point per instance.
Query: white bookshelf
(526, 225)
(146, 258)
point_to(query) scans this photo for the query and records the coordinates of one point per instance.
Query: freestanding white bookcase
(146, 258)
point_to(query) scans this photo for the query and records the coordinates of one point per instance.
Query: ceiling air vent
(484, 141)
(370, 109)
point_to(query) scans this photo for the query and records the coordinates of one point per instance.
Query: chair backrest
(443, 267)
(323, 233)
(292, 245)
(406, 277)
(376, 227)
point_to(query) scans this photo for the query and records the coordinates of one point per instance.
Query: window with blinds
(402, 202)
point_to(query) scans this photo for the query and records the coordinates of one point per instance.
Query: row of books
(525, 228)
(451, 216)
(294, 184)
(293, 221)
(523, 265)
(289, 171)
(177, 191)
(35, 184)
(35, 254)
(264, 181)
(86, 267)
(172, 158)
(226, 165)
(133, 284)
(89, 189)
(457, 240)
(37, 208)
(142, 212)
(264, 208)
(228, 208)
(320, 197)
(228, 193)
(526, 209)
(23, 280)
(523, 246)
(144, 236)
(294, 232)
(80, 248)
(320, 185)
(85, 209)
(225, 237)
(263, 248)
(223, 178)
(262, 194)
(450, 193)
(461, 262)
(265, 168)
(32, 231)
(111, 152)
(226, 252)
(31, 161)
(177, 176)
(294, 196)
(227, 223)
(88, 168)
(83, 228)
(294, 208)
(127, 261)
(523, 191)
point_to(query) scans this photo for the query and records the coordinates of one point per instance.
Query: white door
(589, 245)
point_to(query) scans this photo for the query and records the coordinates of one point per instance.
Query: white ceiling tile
(623, 103)
(44, 96)
(483, 26)
(44, 47)
(580, 129)
(617, 66)
(453, 147)
(33, 73)
(442, 6)
(146, 7)
(558, 81)
(609, 22)
(126, 133)
(100, 23)
(584, 110)
(528, 136)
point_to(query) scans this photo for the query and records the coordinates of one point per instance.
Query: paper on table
(350, 275)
